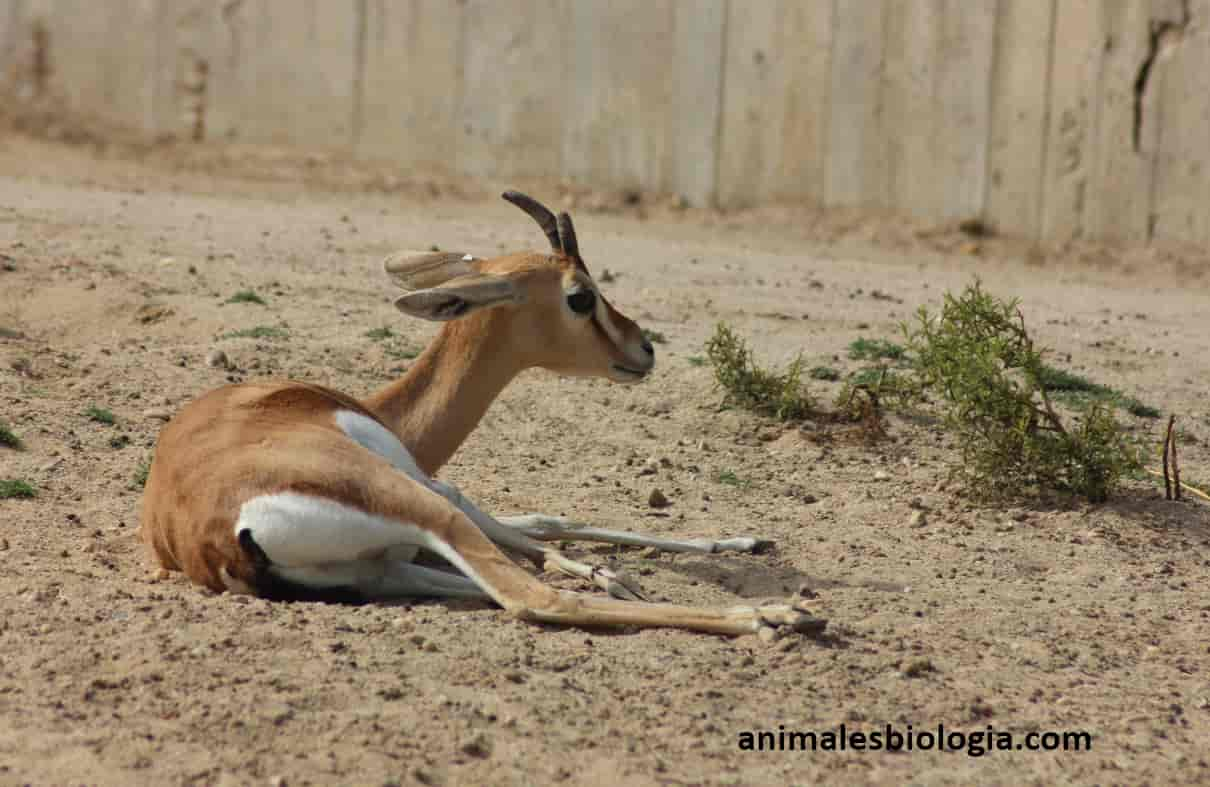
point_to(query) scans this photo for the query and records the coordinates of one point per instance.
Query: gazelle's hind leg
(376, 438)
(557, 528)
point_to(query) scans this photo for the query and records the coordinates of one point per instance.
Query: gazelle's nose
(647, 348)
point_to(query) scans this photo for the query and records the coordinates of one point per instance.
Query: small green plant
(402, 353)
(246, 296)
(696, 360)
(977, 355)
(8, 438)
(729, 478)
(10, 333)
(655, 337)
(380, 334)
(140, 474)
(826, 373)
(14, 488)
(1079, 391)
(863, 349)
(119, 441)
(780, 394)
(259, 332)
(100, 415)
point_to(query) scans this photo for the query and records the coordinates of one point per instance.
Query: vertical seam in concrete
(1157, 109)
(825, 137)
(992, 74)
(1040, 209)
(712, 197)
(359, 73)
(459, 119)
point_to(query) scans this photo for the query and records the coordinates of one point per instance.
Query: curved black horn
(540, 213)
(567, 234)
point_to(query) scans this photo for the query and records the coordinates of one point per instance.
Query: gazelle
(293, 491)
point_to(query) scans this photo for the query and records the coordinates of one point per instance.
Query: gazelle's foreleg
(547, 558)
(541, 527)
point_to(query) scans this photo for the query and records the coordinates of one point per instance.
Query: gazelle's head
(545, 307)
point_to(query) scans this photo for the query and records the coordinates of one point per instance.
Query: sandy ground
(1062, 617)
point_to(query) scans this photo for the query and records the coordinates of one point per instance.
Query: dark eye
(582, 301)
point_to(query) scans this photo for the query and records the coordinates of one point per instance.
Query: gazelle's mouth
(629, 375)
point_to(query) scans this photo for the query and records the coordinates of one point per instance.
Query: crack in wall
(1163, 37)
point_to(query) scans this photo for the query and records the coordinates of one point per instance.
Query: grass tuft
(780, 394)
(15, 488)
(100, 415)
(863, 349)
(246, 296)
(380, 334)
(1079, 391)
(655, 337)
(259, 332)
(140, 474)
(826, 373)
(729, 478)
(8, 438)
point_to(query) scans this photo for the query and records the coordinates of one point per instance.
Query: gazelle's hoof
(762, 545)
(779, 620)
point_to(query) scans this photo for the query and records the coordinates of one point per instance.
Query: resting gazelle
(293, 491)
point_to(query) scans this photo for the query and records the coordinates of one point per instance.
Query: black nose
(647, 348)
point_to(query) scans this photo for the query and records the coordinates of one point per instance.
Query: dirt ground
(115, 266)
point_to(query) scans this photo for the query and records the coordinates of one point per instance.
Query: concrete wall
(1049, 119)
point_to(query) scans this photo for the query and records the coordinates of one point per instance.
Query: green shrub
(13, 488)
(780, 394)
(978, 358)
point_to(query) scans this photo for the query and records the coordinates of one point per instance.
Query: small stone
(882, 475)
(158, 413)
(479, 746)
(918, 667)
(657, 499)
(918, 519)
(805, 591)
(917, 503)
(217, 359)
(767, 634)
(4, 545)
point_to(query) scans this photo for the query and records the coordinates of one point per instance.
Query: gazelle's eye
(582, 301)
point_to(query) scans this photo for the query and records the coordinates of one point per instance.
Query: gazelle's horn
(567, 234)
(540, 213)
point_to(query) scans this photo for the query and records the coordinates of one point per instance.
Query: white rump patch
(308, 537)
(300, 530)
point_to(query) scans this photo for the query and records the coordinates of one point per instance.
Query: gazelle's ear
(459, 297)
(413, 270)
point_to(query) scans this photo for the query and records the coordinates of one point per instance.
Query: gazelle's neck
(442, 397)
